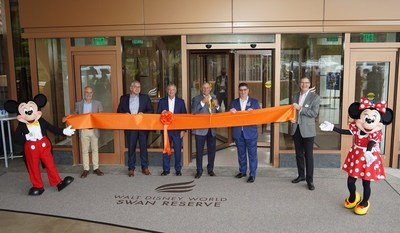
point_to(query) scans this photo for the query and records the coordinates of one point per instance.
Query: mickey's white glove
(369, 158)
(30, 137)
(326, 126)
(68, 131)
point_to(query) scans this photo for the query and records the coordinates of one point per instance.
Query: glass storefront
(155, 62)
(53, 83)
(320, 57)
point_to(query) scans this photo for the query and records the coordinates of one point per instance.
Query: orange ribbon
(182, 121)
(167, 120)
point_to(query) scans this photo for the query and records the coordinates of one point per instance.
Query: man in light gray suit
(89, 137)
(205, 104)
(303, 131)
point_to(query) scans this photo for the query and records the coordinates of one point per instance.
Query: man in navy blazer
(245, 136)
(136, 103)
(175, 105)
(205, 104)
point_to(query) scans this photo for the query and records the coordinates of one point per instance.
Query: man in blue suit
(175, 105)
(136, 103)
(205, 104)
(245, 136)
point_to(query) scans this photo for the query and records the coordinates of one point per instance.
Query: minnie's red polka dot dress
(355, 164)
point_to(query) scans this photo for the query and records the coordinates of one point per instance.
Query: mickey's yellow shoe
(351, 205)
(361, 210)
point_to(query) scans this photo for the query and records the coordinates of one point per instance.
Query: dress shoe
(310, 186)
(211, 173)
(251, 179)
(298, 179)
(178, 173)
(84, 174)
(198, 175)
(146, 171)
(240, 175)
(361, 210)
(98, 172)
(131, 172)
(164, 173)
(36, 191)
(64, 183)
(351, 205)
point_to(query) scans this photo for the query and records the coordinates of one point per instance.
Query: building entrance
(224, 70)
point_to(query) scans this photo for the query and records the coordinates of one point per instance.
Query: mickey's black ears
(40, 100)
(11, 106)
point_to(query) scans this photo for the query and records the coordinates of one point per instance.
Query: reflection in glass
(98, 77)
(320, 57)
(53, 83)
(206, 68)
(155, 62)
(372, 80)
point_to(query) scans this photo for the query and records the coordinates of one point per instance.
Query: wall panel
(76, 13)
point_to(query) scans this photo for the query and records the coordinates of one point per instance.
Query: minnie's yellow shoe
(351, 205)
(361, 210)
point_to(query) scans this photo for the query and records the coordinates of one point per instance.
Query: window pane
(319, 57)
(155, 62)
(53, 83)
(93, 41)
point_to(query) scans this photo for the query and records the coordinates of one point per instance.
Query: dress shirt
(134, 104)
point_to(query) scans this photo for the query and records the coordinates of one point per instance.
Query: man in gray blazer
(205, 104)
(303, 131)
(89, 137)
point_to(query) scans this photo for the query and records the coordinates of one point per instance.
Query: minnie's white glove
(68, 131)
(369, 158)
(326, 126)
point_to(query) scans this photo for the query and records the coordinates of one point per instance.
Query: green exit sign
(332, 39)
(99, 41)
(368, 37)
(137, 41)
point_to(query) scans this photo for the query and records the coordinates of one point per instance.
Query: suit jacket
(198, 109)
(178, 108)
(144, 104)
(22, 129)
(306, 116)
(218, 81)
(96, 107)
(249, 132)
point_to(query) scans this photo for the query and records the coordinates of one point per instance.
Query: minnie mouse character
(31, 132)
(364, 159)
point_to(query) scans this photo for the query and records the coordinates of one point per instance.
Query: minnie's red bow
(365, 103)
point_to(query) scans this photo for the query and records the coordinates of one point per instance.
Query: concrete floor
(226, 165)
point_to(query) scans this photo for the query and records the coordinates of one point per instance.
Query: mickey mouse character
(31, 132)
(363, 160)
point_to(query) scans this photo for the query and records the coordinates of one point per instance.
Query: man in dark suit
(221, 87)
(303, 131)
(136, 103)
(175, 105)
(245, 136)
(205, 104)
(89, 137)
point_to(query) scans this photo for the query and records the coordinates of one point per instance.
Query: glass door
(374, 75)
(206, 66)
(255, 67)
(98, 70)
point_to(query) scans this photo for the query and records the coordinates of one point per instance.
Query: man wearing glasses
(303, 131)
(136, 103)
(245, 136)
